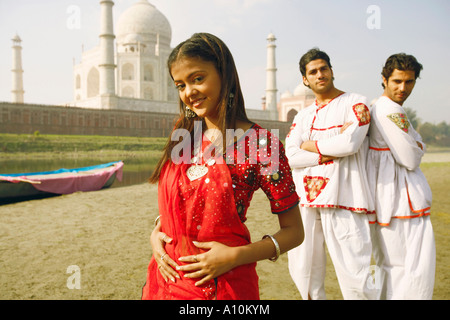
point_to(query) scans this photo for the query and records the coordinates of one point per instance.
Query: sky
(358, 35)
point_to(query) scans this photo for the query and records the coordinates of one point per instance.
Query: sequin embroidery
(400, 120)
(362, 113)
(314, 186)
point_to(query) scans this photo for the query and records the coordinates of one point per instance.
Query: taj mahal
(127, 70)
(129, 64)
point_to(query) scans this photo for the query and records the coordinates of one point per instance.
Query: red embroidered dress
(213, 208)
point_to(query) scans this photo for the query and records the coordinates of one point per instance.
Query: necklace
(197, 170)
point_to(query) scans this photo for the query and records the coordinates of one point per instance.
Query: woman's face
(199, 85)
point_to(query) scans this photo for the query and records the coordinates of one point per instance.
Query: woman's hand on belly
(166, 265)
(217, 260)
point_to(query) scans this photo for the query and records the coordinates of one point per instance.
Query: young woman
(201, 247)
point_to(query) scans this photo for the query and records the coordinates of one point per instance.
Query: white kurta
(399, 187)
(404, 245)
(341, 183)
(334, 197)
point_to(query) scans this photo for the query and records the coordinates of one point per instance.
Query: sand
(105, 235)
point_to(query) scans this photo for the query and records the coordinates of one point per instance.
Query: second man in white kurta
(404, 240)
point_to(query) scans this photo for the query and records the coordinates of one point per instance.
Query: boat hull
(59, 182)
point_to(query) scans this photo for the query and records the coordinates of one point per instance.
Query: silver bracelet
(277, 247)
(156, 220)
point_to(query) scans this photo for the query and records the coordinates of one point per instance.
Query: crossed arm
(406, 145)
(311, 146)
(303, 154)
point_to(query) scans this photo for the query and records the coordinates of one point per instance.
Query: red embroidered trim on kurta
(324, 105)
(325, 129)
(314, 186)
(379, 149)
(419, 213)
(362, 113)
(363, 210)
(290, 130)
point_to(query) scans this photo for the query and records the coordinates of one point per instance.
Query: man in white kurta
(334, 195)
(404, 246)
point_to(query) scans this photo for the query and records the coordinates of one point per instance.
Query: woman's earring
(189, 113)
(230, 100)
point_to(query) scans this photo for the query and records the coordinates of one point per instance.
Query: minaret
(107, 65)
(271, 84)
(17, 71)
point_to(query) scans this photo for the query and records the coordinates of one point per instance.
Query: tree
(428, 132)
(412, 117)
(443, 129)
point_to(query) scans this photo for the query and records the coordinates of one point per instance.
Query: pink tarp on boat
(70, 182)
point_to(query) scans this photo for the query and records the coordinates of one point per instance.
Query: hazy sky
(358, 35)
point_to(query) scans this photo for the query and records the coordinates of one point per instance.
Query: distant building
(17, 71)
(291, 103)
(271, 79)
(128, 71)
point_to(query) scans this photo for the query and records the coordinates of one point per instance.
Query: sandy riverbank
(105, 233)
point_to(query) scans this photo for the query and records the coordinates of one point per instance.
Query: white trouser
(406, 253)
(347, 236)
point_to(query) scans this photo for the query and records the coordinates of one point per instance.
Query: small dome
(302, 90)
(16, 38)
(286, 94)
(145, 20)
(271, 37)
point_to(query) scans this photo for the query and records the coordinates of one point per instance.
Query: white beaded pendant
(196, 172)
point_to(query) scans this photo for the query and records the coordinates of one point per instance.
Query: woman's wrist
(276, 245)
(257, 251)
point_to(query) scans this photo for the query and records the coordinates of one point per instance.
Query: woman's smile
(197, 103)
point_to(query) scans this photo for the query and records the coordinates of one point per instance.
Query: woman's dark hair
(403, 62)
(207, 47)
(311, 55)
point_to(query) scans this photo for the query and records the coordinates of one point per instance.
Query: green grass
(438, 177)
(41, 146)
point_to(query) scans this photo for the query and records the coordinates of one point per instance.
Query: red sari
(213, 208)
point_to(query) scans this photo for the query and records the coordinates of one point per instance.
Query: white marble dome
(302, 90)
(132, 38)
(286, 94)
(146, 21)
